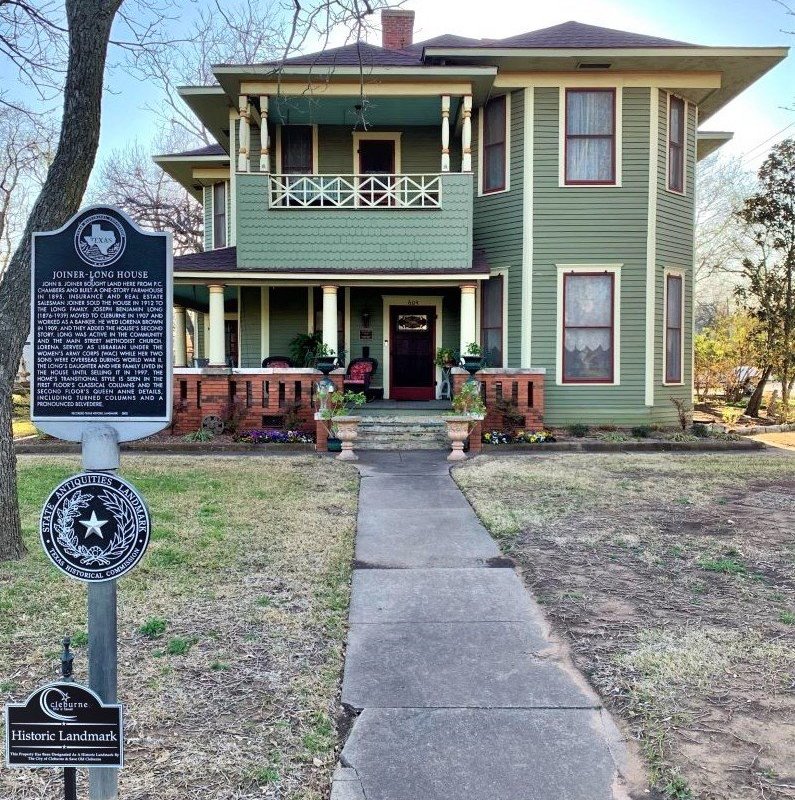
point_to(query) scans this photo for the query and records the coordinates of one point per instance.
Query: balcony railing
(355, 191)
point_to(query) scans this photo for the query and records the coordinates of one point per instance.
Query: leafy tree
(767, 289)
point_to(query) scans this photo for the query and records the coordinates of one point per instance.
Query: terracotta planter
(346, 430)
(458, 432)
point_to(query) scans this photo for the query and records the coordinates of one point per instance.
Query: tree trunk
(755, 402)
(89, 24)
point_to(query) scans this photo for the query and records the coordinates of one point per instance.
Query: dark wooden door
(377, 159)
(411, 355)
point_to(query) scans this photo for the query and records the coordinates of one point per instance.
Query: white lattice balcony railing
(355, 191)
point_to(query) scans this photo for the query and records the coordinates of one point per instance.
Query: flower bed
(274, 436)
(520, 437)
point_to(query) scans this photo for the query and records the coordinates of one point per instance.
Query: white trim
(264, 322)
(346, 322)
(227, 231)
(615, 270)
(481, 117)
(396, 278)
(693, 262)
(526, 322)
(619, 139)
(680, 273)
(651, 243)
(278, 148)
(403, 300)
(667, 184)
(233, 176)
(393, 136)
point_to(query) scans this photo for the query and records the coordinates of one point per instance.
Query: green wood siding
(497, 227)
(250, 326)
(288, 317)
(591, 226)
(674, 251)
(394, 239)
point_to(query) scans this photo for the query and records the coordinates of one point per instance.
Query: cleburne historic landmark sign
(101, 321)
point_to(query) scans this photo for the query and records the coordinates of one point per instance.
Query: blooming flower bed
(520, 437)
(275, 436)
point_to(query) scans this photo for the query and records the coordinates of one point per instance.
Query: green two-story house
(533, 194)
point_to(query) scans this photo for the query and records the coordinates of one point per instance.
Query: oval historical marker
(95, 527)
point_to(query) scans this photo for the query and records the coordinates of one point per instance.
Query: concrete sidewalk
(460, 693)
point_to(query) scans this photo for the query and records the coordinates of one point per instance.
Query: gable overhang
(733, 68)
(212, 106)
(707, 142)
(194, 172)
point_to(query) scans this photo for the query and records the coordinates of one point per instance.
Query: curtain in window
(590, 132)
(491, 321)
(673, 330)
(297, 149)
(219, 215)
(588, 328)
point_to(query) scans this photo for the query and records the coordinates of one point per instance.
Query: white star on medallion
(94, 525)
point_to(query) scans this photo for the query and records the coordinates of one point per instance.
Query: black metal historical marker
(64, 725)
(95, 527)
(101, 321)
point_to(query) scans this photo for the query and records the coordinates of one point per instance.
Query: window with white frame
(491, 331)
(674, 313)
(495, 138)
(676, 144)
(588, 327)
(590, 137)
(219, 214)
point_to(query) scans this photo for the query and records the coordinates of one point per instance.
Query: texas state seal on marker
(95, 527)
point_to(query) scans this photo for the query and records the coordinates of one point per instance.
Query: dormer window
(590, 148)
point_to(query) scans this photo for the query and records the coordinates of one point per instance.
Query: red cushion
(359, 371)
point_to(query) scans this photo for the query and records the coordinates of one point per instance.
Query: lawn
(671, 577)
(230, 629)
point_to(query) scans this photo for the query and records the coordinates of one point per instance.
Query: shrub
(578, 429)
(201, 435)
(179, 646)
(641, 431)
(468, 400)
(731, 415)
(153, 628)
(700, 429)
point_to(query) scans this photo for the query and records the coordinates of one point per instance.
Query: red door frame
(411, 392)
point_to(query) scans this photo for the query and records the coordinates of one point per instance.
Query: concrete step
(404, 432)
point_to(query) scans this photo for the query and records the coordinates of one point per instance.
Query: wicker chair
(359, 374)
(277, 362)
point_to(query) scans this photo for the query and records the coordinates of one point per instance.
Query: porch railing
(355, 191)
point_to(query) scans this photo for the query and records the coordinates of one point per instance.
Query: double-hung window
(673, 328)
(491, 320)
(588, 327)
(590, 148)
(219, 214)
(495, 128)
(676, 144)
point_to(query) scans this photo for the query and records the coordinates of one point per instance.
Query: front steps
(415, 426)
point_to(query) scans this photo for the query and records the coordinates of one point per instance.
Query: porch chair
(359, 373)
(277, 362)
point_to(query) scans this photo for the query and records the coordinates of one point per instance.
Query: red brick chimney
(397, 28)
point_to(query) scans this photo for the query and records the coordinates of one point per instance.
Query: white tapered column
(264, 155)
(180, 338)
(468, 322)
(445, 133)
(245, 135)
(466, 135)
(217, 349)
(330, 318)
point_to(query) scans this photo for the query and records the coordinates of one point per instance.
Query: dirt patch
(671, 577)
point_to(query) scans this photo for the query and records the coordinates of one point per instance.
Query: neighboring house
(534, 194)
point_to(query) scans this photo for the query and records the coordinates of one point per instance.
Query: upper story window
(676, 144)
(590, 148)
(495, 135)
(673, 328)
(219, 214)
(588, 327)
(297, 146)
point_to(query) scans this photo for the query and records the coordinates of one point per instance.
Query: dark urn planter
(472, 364)
(334, 445)
(326, 364)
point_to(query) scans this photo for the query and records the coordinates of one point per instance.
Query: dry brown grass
(672, 578)
(249, 568)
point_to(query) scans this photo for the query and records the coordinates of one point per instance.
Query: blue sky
(756, 116)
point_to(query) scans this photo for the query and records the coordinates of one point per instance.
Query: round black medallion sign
(95, 527)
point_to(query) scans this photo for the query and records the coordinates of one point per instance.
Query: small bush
(201, 435)
(153, 628)
(787, 617)
(613, 436)
(79, 639)
(578, 429)
(700, 429)
(731, 415)
(179, 646)
(641, 431)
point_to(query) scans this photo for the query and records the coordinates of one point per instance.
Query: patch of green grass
(166, 557)
(79, 639)
(677, 789)
(322, 738)
(787, 617)
(180, 646)
(727, 565)
(6, 687)
(153, 628)
(219, 666)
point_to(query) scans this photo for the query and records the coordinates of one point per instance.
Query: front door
(411, 355)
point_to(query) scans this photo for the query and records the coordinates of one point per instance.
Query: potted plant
(472, 360)
(340, 423)
(445, 357)
(470, 409)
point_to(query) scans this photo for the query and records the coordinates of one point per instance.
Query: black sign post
(101, 319)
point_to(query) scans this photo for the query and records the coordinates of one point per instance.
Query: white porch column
(468, 320)
(445, 133)
(180, 339)
(245, 137)
(264, 156)
(217, 348)
(330, 318)
(466, 135)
